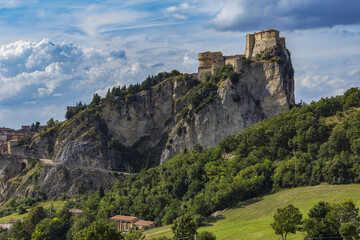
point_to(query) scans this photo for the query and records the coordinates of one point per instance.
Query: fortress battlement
(256, 43)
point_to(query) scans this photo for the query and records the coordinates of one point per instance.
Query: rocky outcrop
(117, 135)
(30, 177)
(263, 89)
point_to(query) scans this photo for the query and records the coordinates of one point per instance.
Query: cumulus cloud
(244, 15)
(42, 74)
(314, 81)
(44, 70)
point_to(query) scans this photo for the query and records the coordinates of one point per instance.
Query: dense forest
(310, 144)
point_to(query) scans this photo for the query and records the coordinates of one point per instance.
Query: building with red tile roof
(142, 223)
(125, 223)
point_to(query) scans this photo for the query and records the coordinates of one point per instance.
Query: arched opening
(23, 166)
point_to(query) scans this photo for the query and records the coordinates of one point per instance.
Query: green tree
(332, 220)
(135, 235)
(48, 229)
(99, 231)
(35, 216)
(206, 236)
(23, 230)
(50, 123)
(95, 101)
(35, 126)
(286, 220)
(80, 222)
(184, 226)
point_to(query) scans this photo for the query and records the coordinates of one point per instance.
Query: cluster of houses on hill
(11, 137)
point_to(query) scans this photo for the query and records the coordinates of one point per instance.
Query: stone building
(259, 42)
(256, 43)
(209, 61)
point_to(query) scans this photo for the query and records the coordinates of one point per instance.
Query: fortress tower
(259, 42)
(209, 61)
(256, 43)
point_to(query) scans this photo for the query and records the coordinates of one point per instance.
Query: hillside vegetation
(251, 219)
(308, 145)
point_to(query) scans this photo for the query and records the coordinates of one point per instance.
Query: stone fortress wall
(256, 43)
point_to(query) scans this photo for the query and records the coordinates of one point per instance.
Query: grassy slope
(57, 205)
(251, 219)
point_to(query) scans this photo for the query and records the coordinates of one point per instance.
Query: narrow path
(51, 162)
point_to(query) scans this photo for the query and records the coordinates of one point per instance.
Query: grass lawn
(57, 205)
(251, 219)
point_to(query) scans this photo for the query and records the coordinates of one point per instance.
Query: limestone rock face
(264, 88)
(147, 125)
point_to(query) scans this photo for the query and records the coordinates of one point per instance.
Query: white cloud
(181, 7)
(179, 16)
(10, 3)
(314, 81)
(45, 74)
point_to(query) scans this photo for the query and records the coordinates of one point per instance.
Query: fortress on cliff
(257, 44)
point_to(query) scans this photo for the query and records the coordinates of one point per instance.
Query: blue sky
(56, 53)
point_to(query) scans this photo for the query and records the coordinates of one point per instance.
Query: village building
(9, 138)
(127, 223)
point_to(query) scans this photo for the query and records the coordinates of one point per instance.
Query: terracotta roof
(124, 218)
(144, 223)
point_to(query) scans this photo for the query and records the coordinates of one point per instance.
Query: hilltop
(150, 123)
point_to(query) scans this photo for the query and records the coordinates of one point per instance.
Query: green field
(251, 219)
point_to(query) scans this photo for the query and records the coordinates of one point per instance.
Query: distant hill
(251, 219)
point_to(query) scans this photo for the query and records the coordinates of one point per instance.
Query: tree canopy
(287, 220)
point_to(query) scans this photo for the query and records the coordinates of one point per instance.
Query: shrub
(206, 236)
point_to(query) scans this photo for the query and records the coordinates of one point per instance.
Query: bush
(206, 236)
(21, 209)
(180, 130)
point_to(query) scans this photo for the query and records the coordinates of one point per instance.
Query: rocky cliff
(30, 177)
(160, 122)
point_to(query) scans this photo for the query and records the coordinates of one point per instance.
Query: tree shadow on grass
(213, 219)
(245, 203)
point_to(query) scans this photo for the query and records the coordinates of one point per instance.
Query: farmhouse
(127, 223)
